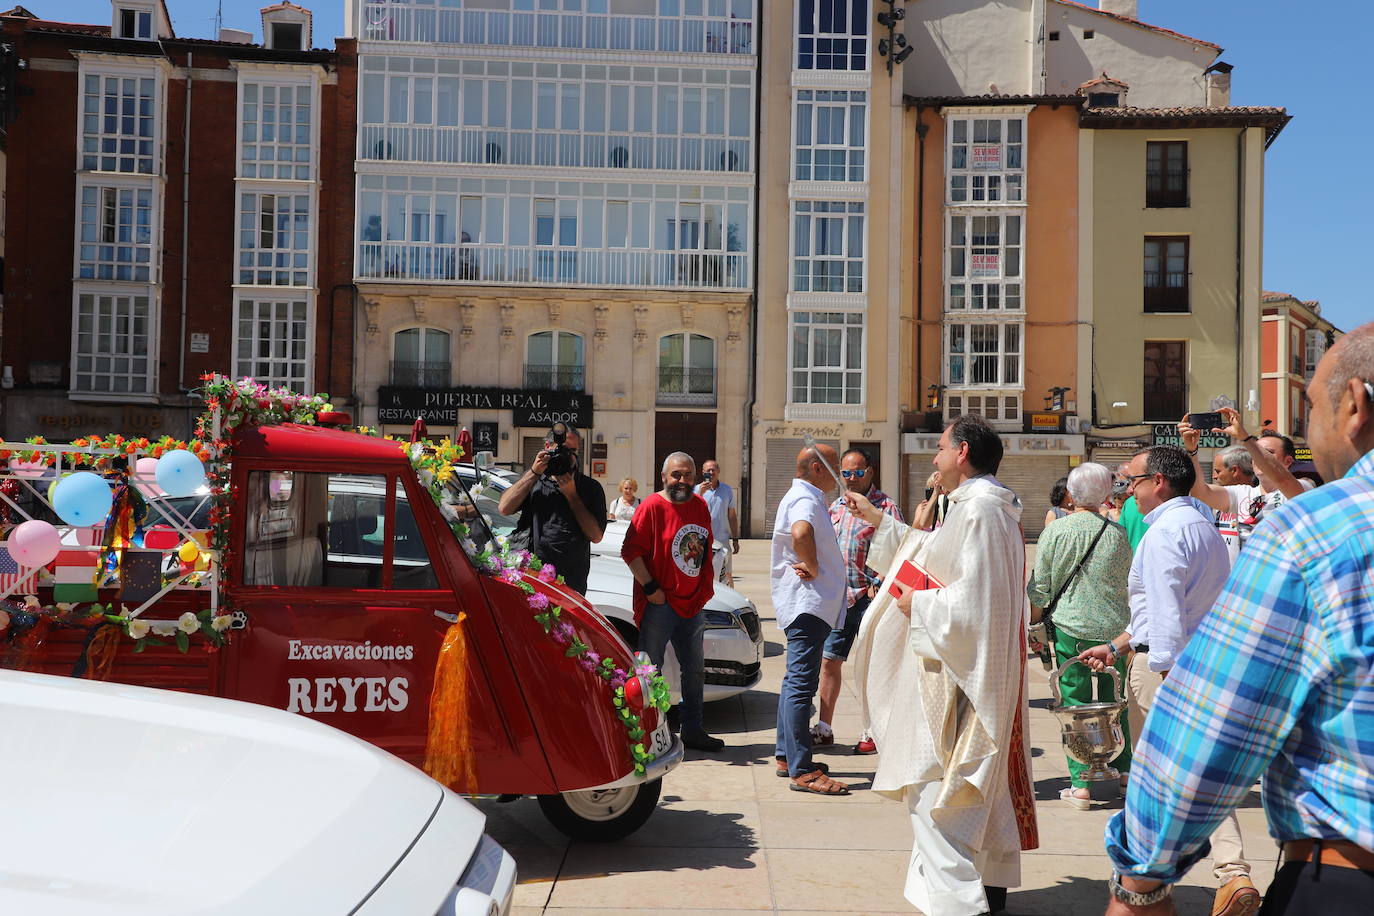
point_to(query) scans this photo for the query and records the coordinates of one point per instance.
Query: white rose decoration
(187, 623)
(221, 623)
(138, 629)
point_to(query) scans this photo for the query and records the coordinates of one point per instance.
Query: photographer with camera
(562, 510)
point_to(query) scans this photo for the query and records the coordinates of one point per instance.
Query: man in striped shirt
(1279, 681)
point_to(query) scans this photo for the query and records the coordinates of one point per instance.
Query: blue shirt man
(1278, 681)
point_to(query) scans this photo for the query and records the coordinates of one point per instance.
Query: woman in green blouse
(1093, 607)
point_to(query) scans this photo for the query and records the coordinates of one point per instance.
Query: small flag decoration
(74, 576)
(140, 575)
(13, 577)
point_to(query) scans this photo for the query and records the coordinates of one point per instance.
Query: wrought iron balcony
(695, 387)
(419, 375)
(543, 265)
(557, 378)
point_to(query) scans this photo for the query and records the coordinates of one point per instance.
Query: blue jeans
(805, 643)
(660, 625)
(841, 639)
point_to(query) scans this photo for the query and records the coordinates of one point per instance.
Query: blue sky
(1317, 200)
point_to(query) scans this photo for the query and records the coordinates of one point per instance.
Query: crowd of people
(1238, 613)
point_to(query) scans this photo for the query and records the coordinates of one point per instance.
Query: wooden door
(681, 431)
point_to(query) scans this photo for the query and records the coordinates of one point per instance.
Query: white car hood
(131, 800)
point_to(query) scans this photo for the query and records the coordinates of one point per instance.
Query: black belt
(1143, 647)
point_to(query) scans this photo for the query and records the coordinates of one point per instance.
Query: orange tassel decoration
(448, 751)
(100, 652)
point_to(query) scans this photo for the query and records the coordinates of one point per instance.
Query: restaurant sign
(528, 406)
(1168, 434)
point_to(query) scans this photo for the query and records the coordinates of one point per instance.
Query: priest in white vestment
(940, 675)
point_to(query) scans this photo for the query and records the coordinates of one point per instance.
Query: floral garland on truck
(629, 689)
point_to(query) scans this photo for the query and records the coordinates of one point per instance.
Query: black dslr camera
(561, 458)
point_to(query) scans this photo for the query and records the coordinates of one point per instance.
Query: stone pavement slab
(730, 838)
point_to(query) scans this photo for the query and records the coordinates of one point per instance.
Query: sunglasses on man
(857, 474)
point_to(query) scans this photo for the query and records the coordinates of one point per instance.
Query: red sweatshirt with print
(674, 539)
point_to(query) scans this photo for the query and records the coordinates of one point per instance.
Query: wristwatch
(1131, 898)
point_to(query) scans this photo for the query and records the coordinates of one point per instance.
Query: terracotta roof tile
(69, 28)
(1143, 25)
(1229, 111)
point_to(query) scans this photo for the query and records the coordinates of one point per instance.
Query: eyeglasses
(854, 475)
(1131, 478)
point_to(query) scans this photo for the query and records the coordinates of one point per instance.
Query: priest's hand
(904, 600)
(860, 507)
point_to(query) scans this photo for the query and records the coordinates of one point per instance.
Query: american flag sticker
(74, 576)
(12, 579)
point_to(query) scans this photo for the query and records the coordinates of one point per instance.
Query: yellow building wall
(1222, 353)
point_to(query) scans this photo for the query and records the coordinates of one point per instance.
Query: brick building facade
(174, 206)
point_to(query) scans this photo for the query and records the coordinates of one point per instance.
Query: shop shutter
(1111, 457)
(1031, 477)
(780, 471)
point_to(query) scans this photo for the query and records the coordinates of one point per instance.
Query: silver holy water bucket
(1091, 732)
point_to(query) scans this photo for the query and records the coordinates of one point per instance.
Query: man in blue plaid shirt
(861, 584)
(1278, 681)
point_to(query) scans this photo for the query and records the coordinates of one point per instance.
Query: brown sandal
(782, 767)
(818, 783)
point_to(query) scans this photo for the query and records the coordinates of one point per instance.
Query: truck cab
(349, 588)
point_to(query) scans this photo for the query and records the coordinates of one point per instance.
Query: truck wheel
(602, 815)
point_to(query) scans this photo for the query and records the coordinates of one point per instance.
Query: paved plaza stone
(729, 837)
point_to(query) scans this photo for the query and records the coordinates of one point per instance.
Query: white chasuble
(941, 693)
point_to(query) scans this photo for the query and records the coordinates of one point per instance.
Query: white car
(129, 800)
(733, 646)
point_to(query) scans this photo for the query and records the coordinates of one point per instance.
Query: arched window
(687, 369)
(420, 358)
(554, 359)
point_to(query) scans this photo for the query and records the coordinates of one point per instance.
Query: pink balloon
(34, 543)
(29, 469)
(145, 471)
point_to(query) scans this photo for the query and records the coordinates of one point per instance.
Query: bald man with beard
(808, 590)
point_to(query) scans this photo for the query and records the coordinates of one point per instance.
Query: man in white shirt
(808, 589)
(720, 500)
(1240, 506)
(1178, 572)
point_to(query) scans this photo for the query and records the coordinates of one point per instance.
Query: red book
(912, 577)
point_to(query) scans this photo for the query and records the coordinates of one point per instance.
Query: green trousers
(1076, 687)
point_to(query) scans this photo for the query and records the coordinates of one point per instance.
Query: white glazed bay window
(827, 246)
(566, 115)
(272, 341)
(690, 26)
(540, 232)
(832, 34)
(119, 122)
(113, 342)
(118, 214)
(116, 233)
(984, 262)
(827, 358)
(986, 160)
(274, 239)
(276, 139)
(830, 141)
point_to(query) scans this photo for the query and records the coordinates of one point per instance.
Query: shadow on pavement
(773, 649)
(1088, 897)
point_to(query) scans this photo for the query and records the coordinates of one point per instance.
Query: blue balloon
(180, 473)
(82, 499)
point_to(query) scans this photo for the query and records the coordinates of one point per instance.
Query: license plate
(661, 739)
